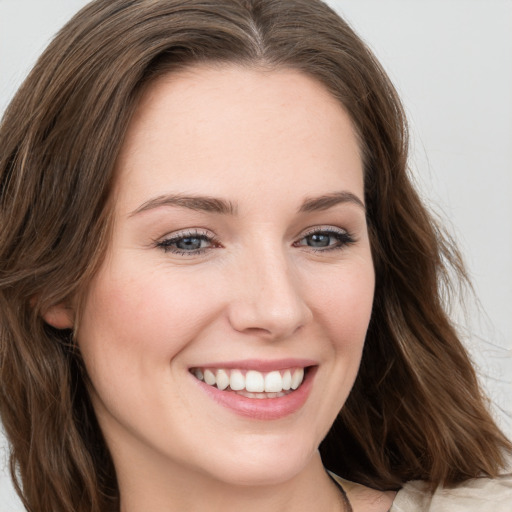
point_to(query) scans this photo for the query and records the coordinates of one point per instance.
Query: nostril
(268, 320)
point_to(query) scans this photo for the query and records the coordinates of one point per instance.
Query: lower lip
(263, 408)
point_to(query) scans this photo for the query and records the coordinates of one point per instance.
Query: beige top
(476, 495)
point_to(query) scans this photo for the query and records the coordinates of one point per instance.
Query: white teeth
(253, 384)
(297, 377)
(209, 378)
(273, 382)
(236, 380)
(222, 379)
(287, 380)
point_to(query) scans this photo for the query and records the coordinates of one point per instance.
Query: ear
(60, 316)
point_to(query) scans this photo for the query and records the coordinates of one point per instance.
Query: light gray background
(451, 61)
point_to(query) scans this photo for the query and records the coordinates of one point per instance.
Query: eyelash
(167, 244)
(343, 237)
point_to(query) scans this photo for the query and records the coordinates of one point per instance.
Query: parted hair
(416, 410)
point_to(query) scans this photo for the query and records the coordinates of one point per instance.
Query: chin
(263, 462)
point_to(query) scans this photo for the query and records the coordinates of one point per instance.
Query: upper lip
(261, 365)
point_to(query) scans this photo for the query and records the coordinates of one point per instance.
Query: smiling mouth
(252, 383)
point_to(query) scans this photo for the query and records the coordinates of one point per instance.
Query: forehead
(225, 127)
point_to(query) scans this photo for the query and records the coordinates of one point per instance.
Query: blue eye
(187, 243)
(194, 242)
(326, 239)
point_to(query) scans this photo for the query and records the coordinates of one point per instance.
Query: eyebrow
(221, 206)
(199, 203)
(327, 201)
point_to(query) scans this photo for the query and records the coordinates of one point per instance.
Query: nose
(268, 300)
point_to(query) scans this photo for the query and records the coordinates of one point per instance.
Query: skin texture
(263, 142)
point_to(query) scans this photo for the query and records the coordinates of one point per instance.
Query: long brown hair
(416, 410)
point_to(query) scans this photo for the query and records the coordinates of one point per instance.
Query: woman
(213, 262)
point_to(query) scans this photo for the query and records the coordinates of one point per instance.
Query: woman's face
(240, 257)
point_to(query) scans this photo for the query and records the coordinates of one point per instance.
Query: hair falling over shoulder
(416, 410)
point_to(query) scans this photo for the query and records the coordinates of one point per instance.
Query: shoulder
(365, 498)
(475, 495)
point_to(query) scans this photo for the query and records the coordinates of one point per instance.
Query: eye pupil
(319, 240)
(189, 243)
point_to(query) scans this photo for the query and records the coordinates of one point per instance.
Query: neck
(185, 490)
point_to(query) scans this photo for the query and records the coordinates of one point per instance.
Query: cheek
(144, 319)
(343, 304)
